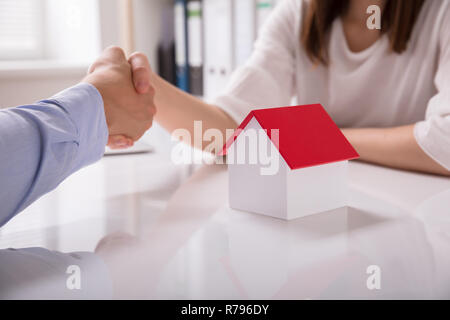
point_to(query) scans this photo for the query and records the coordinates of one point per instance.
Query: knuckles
(138, 54)
(116, 50)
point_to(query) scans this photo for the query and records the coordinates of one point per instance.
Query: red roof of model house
(307, 135)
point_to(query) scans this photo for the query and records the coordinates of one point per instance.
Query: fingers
(119, 142)
(141, 70)
(138, 62)
(112, 54)
(91, 68)
(130, 108)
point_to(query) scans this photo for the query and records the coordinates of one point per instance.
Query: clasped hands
(128, 96)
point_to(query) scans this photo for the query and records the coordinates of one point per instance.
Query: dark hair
(398, 19)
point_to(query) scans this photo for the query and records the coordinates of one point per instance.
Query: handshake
(127, 94)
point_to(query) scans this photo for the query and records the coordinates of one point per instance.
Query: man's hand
(127, 95)
(141, 72)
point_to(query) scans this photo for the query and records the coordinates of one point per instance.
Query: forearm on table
(393, 147)
(177, 109)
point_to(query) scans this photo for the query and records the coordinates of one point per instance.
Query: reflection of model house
(301, 162)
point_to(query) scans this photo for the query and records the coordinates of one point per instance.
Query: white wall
(72, 30)
(71, 41)
(26, 82)
(22, 83)
(147, 29)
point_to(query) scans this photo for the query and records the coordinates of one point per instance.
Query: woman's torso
(375, 87)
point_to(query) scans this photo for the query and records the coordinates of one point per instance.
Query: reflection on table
(150, 229)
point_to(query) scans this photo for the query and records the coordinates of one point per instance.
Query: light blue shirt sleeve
(43, 143)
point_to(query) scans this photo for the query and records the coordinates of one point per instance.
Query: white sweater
(371, 88)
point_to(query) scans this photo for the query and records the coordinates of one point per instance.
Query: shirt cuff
(84, 105)
(434, 142)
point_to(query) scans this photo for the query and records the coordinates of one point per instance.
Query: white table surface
(168, 233)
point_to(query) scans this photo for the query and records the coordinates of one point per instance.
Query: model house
(307, 155)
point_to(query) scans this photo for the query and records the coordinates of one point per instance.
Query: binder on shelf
(195, 46)
(263, 10)
(219, 49)
(181, 49)
(166, 46)
(244, 33)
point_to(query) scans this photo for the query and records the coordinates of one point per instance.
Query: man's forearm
(393, 147)
(43, 143)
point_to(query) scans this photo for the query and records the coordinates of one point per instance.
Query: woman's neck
(357, 11)
(358, 36)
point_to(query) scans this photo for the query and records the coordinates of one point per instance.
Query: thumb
(141, 70)
(119, 142)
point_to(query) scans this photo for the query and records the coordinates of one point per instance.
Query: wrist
(95, 83)
(347, 134)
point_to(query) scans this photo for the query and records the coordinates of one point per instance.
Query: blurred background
(47, 45)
